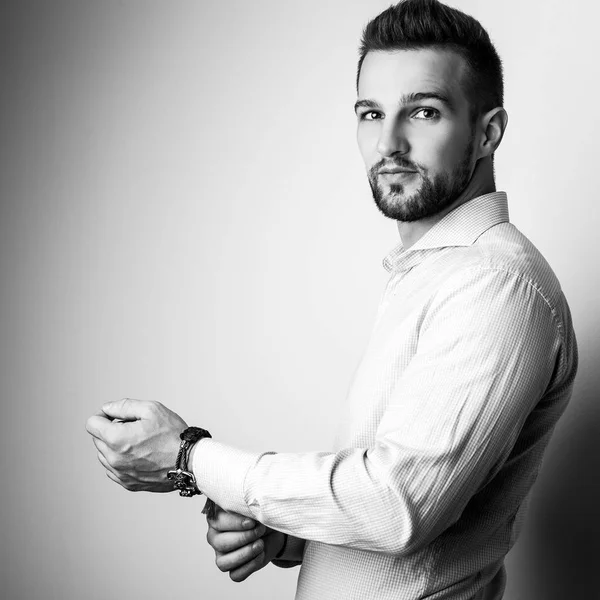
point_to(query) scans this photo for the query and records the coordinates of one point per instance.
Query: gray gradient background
(185, 217)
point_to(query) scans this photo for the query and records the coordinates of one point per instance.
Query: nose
(392, 140)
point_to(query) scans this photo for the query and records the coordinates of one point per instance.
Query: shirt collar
(460, 227)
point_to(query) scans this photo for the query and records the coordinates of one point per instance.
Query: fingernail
(258, 545)
(248, 523)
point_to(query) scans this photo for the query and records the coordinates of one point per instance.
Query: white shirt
(470, 365)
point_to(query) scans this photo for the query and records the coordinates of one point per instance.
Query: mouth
(396, 171)
(396, 174)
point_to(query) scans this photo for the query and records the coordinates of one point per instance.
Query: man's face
(415, 132)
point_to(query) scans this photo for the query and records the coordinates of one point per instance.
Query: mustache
(398, 162)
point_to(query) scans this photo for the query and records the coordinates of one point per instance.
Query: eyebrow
(409, 99)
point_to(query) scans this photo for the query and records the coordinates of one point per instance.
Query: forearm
(336, 498)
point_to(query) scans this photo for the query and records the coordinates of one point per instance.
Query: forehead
(387, 75)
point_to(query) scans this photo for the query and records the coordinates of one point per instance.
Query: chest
(393, 344)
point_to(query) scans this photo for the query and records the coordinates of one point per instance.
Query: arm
(483, 361)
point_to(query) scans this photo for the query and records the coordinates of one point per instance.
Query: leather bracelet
(182, 477)
(285, 541)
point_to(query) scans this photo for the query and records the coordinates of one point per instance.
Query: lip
(395, 171)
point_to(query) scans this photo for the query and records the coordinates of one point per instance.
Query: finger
(108, 459)
(126, 409)
(229, 541)
(243, 572)
(237, 558)
(113, 477)
(101, 446)
(105, 461)
(96, 426)
(230, 521)
(109, 468)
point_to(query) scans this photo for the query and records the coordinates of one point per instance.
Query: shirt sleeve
(488, 347)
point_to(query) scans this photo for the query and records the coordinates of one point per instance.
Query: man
(470, 365)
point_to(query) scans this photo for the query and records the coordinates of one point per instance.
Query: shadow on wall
(559, 557)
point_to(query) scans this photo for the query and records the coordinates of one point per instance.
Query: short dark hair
(417, 24)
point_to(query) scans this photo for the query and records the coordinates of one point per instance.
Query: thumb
(126, 409)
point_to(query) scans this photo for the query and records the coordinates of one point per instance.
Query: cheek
(440, 149)
(367, 138)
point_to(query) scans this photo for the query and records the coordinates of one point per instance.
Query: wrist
(182, 476)
(284, 540)
(193, 451)
(221, 472)
(210, 508)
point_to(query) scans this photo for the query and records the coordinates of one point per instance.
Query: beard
(434, 195)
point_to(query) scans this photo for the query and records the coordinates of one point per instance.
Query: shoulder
(503, 267)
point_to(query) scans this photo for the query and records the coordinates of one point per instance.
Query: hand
(137, 443)
(242, 550)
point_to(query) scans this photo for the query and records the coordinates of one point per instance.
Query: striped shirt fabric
(470, 365)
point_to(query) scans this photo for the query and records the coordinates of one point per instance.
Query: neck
(481, 182)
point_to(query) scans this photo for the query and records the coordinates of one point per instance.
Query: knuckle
(219, 562)
(217, 543)
(153, 407)
(109, 436)
(109, 458)
(113, 436)
(115, 461)
(242, 556)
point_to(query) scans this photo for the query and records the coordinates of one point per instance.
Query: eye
(426, 114)
(371, 115)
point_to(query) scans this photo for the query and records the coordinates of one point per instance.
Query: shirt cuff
(220, 471)
(293, 554)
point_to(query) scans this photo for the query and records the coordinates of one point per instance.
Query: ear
(492, 126)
